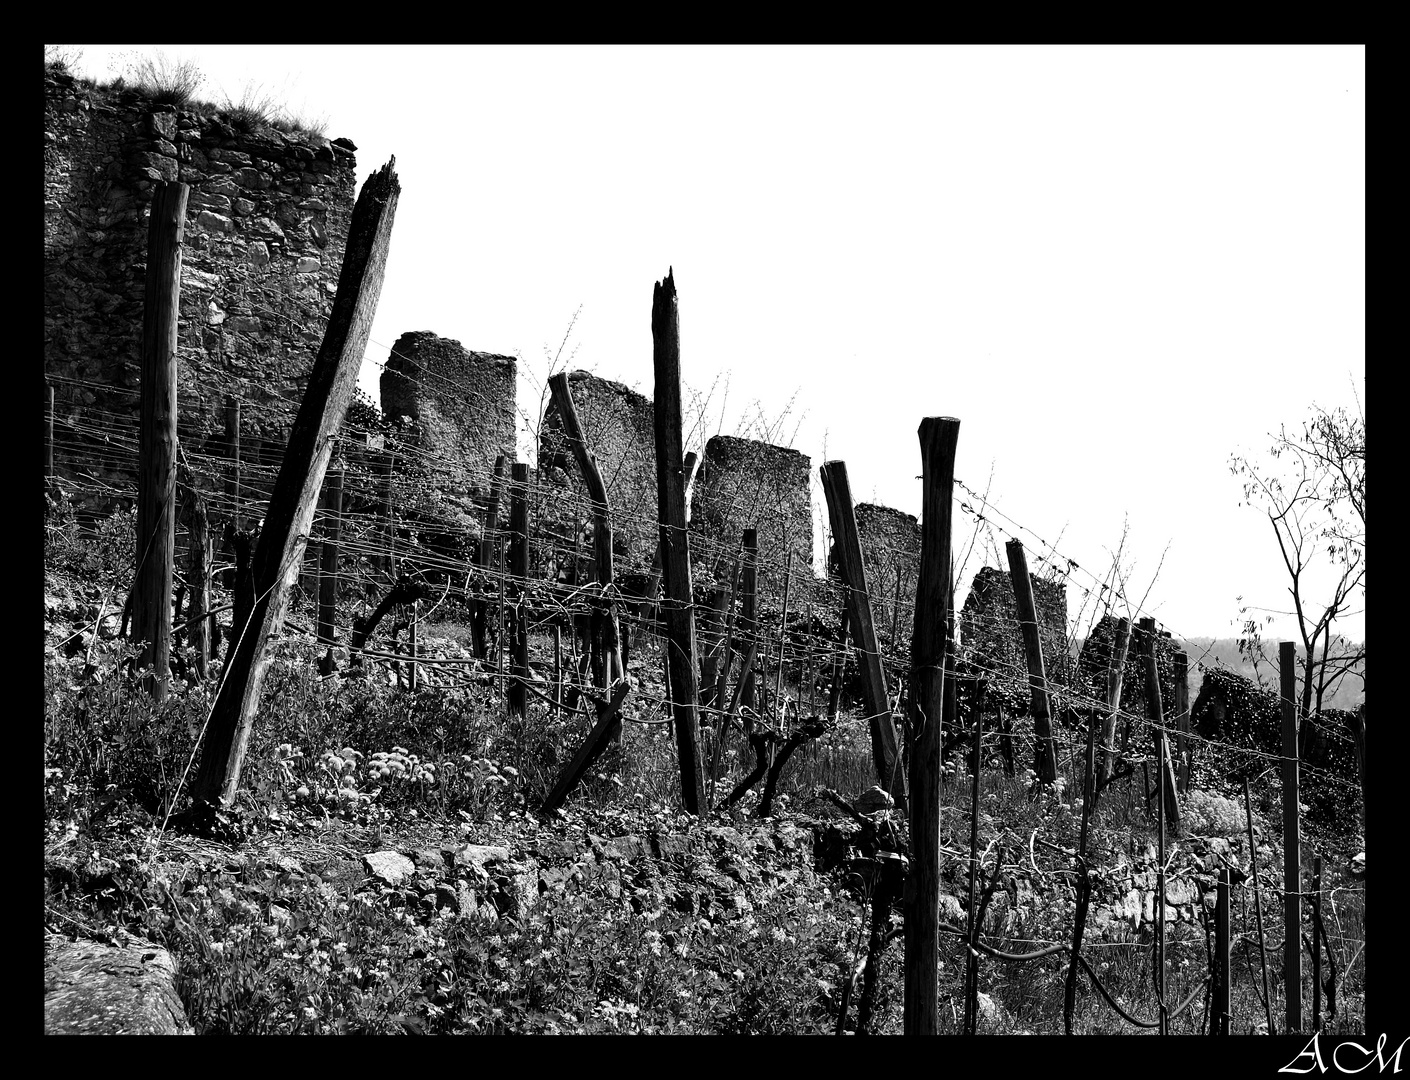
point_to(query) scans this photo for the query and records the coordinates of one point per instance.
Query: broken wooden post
(156, 478)
(653, 582)
(291, 506)
(1292, 842)
(677, 603)
(519, 567)
(1116, 668)
(606, 634)
(938, 438)
(843, 517)
(1045, 750)
(1164, 767)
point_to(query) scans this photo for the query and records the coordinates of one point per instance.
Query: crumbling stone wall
(619, 428)
(990, 635)
(744, 483)
(458, 410)
(266, 226)
(1096, 654)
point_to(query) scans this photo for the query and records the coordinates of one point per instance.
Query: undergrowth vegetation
(618, 913)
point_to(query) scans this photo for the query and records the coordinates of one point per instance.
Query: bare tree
(1313, 492)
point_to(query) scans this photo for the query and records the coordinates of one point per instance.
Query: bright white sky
(1115, 265)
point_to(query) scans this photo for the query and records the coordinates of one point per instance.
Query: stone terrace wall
(890, 545)
(743, 483)
(991, 636)
(266, 227)
(461, 410)
(619, 428)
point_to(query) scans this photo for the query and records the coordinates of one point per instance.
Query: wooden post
(1258, 907)
(389, 536)
(1219, 1018)
(675, 540)
(1182, 719)
(328, 569)
(1045, 753)
(971, 924)
(1164, 768)
(938, 438)
(608, 718)
(156, 482)
(1316, 942)
(1160, 997)
(412, 635)
(748, 615)
(291, 506)
(1116, 670)
(198, 576)
(712, 630)
(503, 566)
(519, 567)
(49, 432)
(653, 581)
(1084, 879)
(1292, 842)
(843, 517)
(782, 630)
(606, 634)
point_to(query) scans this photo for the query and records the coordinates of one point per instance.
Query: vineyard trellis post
(843, 518)
(748, 614)
(291, 506)
(677, 604)
(1219, 1018)
(156, 477)
(1045, 755)
(49, 431)
(519, 568)
(198, 577)
(938, 438)
(484, 563)
(1316, 943)
(1181, 706)
(1084, 880)
(1292, 849)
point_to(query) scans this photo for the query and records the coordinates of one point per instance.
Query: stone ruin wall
(890, 547)
(619, 428)
(742, 484)
(266, 225)
(450, 413)
(990, 634)
(1095, 655)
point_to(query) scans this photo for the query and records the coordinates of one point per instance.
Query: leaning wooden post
(156, 481)
(291, 506)
(605, 632)
(328, 565)
(1164, 768)
(843, 518)
(519, 567)
(938, 438)
(1292, 841)
(1116, 669)
(1045, 754)
(1182, 720)
(675, 540)
(1219, 1020)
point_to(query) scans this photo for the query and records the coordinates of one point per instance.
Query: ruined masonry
(266, 225)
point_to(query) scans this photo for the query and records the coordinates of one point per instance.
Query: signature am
(1345, 1057)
